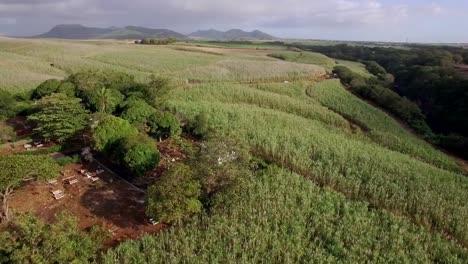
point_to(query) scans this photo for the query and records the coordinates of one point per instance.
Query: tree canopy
(30, 240)
(7, 104)
(17, 168)
(139, 154)
(59, 117)
(164, 125)
(137, 111)
(46, 88)
(175, 195)
(222, 163)
(109, 131)
(67, 88)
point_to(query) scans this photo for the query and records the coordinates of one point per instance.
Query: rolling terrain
(73, 31)
(343, 181)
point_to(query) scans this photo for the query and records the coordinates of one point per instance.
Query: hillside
(233, 34)
(330, 178)
(130, 32)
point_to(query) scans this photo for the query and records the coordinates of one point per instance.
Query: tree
(46, 88)
(7, 104)
(157, 90)
(93, 80)
(59, 117)
(200, 126)
(15, 169)
(222, 164)
(101, 90)
(102, 100)
(67, 88)
(7, 133)
(30, 240)
(139, 154)
(174, 196)
(164, 125)
(375, 68)
(109, 131)
(137, 111)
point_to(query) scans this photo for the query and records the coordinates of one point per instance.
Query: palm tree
(103, 98)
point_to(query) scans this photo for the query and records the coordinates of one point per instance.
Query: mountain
(233, 34)
(73, 31)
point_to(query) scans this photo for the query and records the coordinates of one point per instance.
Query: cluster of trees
(153, 41)
(31, 240)
(120, 113)
(375, 89)
(426, 76)
(220, 165)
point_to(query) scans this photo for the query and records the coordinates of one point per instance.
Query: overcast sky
(386, 20)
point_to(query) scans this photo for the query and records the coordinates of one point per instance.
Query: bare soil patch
(109, 202)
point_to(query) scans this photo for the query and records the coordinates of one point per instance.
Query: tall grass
(383, 129)
(254, 71)
(279, 217)
(358, 168)
(33, 61)
(306, 57)
(322, 60)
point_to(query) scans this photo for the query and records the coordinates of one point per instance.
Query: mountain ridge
(78, 31)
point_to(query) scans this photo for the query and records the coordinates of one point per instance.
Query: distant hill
(73, 31)
(233, 34)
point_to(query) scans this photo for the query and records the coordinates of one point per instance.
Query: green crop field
(345, 182)
(322, 60)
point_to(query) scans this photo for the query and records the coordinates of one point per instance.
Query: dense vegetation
(279, 167)
(280, 217)
(152, 41)
(375, 91)
(350, 164)
(30, 240)
(426, 76)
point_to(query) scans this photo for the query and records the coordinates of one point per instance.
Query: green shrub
(8, 104)
(46, 88)
(138, 154)
(67, 88)
(68, 160)
(7, 134)
(164, 125)
(137, 111)
(109, 131)
(175, 195)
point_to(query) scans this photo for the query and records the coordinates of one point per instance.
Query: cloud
(184, 13)
(290, 17)
(7, 21)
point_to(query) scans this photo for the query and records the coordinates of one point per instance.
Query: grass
(322, 60)
(355, 185)
(279, 217)
(228, 44)
(33, 61)
(356, 67)
(383, 129)
(235, 70)
(23, 73)
(357, 167)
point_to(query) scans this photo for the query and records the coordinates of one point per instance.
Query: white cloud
(346, 18)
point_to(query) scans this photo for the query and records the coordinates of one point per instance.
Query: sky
(377, 20)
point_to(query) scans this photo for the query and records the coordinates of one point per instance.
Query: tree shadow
(119, 206)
